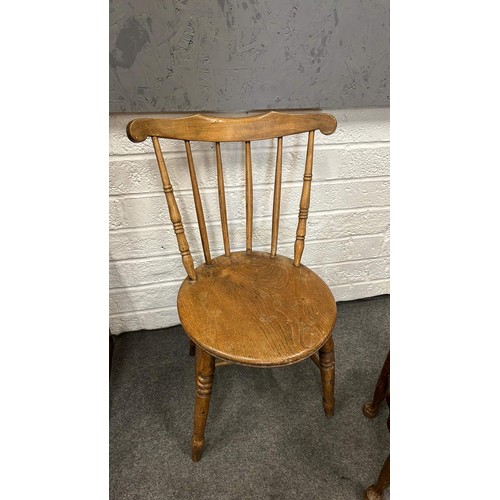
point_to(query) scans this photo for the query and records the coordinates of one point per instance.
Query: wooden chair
(249, 307)
(370, 410)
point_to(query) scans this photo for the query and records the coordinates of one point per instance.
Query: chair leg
(205, 367)
(192, 347)
(327, 367)
(376, 491)
(370, 408)
(111, 349)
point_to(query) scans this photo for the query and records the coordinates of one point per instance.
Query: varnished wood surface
(200, 216)
(370, 408)
(222, 199)
(315, 359)
(376, 491)
(305, 201)
(213, 128)
(252, 308)
(327, 368)
(249, 195)
(277, 197)
(205, 368)
(173, 210)
(258, 310)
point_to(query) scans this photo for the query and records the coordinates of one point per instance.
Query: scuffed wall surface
(347, 241)
(227, 55)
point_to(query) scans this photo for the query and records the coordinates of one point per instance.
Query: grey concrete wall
(228, 55)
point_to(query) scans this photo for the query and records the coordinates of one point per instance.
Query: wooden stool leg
(327, 367)
(205, 367)
(376, 491)
(370, 409)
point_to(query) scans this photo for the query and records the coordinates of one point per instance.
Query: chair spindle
(304, 202)
(222, 200)
(197, 202)
(249, 196)
(174, 213)
(277, 197)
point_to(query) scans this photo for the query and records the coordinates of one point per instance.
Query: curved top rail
(213, 128)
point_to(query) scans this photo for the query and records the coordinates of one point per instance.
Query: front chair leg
(205, 367)
(327, 367)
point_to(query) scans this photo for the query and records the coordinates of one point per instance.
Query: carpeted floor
(267, 436)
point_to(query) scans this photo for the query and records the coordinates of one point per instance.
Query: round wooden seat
(255, 309)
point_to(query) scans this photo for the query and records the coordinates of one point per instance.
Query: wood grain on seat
(251, 308)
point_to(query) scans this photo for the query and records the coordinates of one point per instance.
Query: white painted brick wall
(347, 241)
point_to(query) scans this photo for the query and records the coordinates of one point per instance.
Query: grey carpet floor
(267, 436)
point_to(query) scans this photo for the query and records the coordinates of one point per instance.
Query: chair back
(217, 129)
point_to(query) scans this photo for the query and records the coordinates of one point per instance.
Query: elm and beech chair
(249, 307)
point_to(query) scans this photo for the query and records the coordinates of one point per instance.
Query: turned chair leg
(376, 491)
(327, 367)
(370, 408)
(205, 367)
